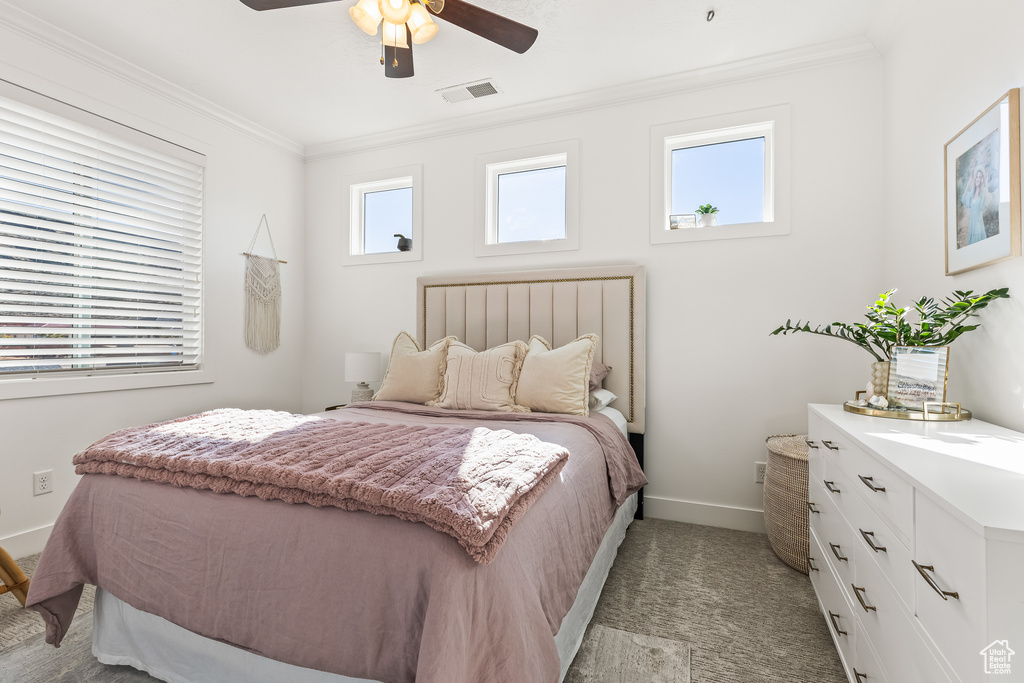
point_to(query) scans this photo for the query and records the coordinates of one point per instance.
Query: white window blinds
(100, 248)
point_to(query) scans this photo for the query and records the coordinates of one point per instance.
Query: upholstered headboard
(488, 309)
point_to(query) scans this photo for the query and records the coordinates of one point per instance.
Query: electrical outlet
(42, 482)
(760, 468)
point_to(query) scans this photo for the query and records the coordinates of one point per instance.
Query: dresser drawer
(888, 494)
(868, 669)
(951, 558)
(815, 451)
(839, 615)
(834, 534)
(890, 629)
(883, 547)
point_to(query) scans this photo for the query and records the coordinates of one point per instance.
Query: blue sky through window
(385, 213)
(729, 175)
(531, 205)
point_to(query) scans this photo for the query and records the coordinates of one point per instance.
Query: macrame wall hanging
(262, 296)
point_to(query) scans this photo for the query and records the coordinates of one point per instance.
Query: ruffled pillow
(557, 380)
(414, 376)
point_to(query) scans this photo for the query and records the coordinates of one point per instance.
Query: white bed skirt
(125, 635)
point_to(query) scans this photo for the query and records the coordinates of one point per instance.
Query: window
(740, 166)
(100, 249)
(529, 200)
(382, 205)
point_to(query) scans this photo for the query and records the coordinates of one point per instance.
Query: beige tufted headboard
(488, 309)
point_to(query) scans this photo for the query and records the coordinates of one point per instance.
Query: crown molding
(688, 81)
(73, 47)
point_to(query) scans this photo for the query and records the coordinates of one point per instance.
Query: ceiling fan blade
(261, 5)
(493, 27)
(404, 57)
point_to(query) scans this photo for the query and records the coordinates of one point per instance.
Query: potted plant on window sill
(937, 324)
(706, 215)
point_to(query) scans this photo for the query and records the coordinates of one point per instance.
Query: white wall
(941, 71)
(717, 383)
(245, 178)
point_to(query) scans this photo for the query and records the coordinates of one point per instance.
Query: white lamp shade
(395, 11)
(422, 26)
(362, 366)
(366, 15)
(394, 35)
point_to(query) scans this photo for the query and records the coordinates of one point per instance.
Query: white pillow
(558, 380)
(484, 380)
(599, 398)
(414, 376)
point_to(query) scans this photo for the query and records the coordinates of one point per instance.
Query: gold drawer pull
(832, 616)
(830, 485)
(830, 445)
(835, 551)
(859, 676)
(811, 444)
(869, 538)
(921, 568)
(870, 483)
(810, 563)
(857, 590)
(810, 506)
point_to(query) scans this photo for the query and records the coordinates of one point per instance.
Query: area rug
(609, 655)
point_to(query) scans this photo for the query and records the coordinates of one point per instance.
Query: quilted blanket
(472, 483)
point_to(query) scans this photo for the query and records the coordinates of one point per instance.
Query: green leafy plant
(936, 324)
(707, 208)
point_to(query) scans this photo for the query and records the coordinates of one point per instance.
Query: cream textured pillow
(557, 381)
(482, 381)
(414, 376)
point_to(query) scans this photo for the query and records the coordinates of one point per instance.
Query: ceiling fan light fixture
(394, 35)
(395, 11)
(422, 26)
(366, 15)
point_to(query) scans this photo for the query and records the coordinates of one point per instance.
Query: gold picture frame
(917, 375)
(982, 193)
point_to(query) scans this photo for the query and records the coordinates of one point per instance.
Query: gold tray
(937, 413)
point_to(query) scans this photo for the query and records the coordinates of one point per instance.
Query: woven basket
(785, 499)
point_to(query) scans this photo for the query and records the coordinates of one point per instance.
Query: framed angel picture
(983, 188)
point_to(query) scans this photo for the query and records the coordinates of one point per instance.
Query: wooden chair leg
(14, 580)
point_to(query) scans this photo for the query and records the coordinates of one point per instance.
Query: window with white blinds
(100, 249)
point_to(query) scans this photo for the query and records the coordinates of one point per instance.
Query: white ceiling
(309, 74)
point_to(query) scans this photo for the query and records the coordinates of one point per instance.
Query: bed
(329, 595)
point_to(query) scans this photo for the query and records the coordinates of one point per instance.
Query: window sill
(720, 232)
(32, 387)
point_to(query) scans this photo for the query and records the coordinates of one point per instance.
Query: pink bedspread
(470, 483)
(349, 592)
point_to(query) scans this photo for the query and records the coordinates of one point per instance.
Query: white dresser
(917, 544)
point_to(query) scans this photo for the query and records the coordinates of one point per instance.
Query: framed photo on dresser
(917, 375)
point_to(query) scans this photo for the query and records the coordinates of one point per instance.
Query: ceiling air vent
(468, 91)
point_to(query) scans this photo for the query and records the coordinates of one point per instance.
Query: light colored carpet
(18, 623)
(738, 612)
(749, 617)
(609, 655)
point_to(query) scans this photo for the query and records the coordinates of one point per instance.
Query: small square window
(737, 163)
(728, 175)
(382, 206)
(531, 205)
(385, 214)
(529, 200)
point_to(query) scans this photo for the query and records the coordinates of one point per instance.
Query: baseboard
(724, 516)
(27, 542)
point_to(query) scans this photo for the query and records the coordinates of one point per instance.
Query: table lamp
(362, 367)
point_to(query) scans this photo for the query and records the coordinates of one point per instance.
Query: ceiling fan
(407, 21)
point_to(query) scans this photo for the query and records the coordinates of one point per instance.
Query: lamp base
(362, 392)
